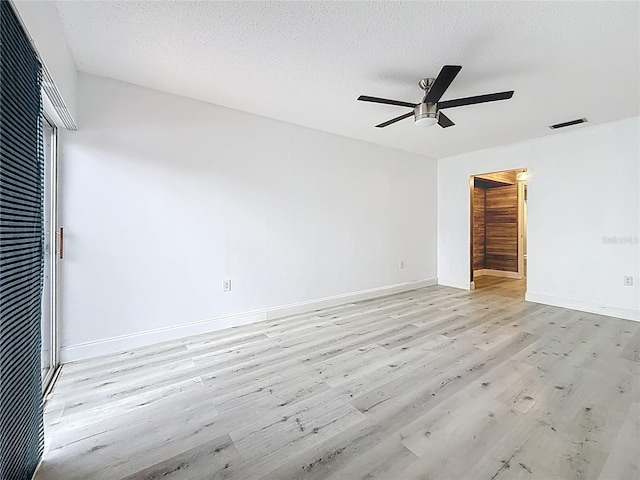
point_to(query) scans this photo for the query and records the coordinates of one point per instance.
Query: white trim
(51, 111)
(81, 351)
(496, 273)
(35, 472)
(573, 304)
(448, 282)
(521, 228)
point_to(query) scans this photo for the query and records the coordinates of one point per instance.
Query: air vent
(568, 124)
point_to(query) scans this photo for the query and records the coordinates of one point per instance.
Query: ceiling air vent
(567, 124)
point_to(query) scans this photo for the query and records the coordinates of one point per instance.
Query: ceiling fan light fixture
(425, 122)
(425, 115)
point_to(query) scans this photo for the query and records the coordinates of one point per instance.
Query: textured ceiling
(306, 63)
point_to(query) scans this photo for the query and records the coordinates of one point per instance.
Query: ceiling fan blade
(461, 102)
(444, 121)
(445, 77)
(365, 98)
(394, 120)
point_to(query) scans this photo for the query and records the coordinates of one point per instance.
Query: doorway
(498, 230)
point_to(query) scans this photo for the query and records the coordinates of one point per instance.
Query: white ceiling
(306, 63)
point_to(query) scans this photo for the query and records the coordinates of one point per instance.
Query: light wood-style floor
(436, 383)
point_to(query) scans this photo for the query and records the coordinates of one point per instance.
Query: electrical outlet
(226, 285)
(628, 281)
(401, 264)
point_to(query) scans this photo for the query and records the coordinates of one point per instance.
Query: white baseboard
(608, 310)
(448, 282)
(302, 307)
(73, 353)
(496, 273)
(97, 348)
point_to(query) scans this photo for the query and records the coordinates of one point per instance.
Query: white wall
(43, 25)
(163, 197)
(583, 186)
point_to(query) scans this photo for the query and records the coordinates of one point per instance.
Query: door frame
(472, 283)
(54, 244)
(522, 226)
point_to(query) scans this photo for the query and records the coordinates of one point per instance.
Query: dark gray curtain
(21, 251)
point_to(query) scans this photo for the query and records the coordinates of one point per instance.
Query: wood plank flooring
(435, 383)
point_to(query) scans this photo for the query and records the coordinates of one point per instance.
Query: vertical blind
(21, 250)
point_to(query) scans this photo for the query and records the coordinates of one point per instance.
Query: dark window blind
(21, 250)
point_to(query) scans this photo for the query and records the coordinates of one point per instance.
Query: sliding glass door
(49, 290)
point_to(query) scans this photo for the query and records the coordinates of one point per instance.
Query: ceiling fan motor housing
(425, 112)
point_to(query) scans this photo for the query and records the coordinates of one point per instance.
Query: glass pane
(48, 329)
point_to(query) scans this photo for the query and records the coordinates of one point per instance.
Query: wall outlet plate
(226, 285)
(628, 280)
(401, 264)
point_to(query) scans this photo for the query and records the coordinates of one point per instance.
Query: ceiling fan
(428, 112)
